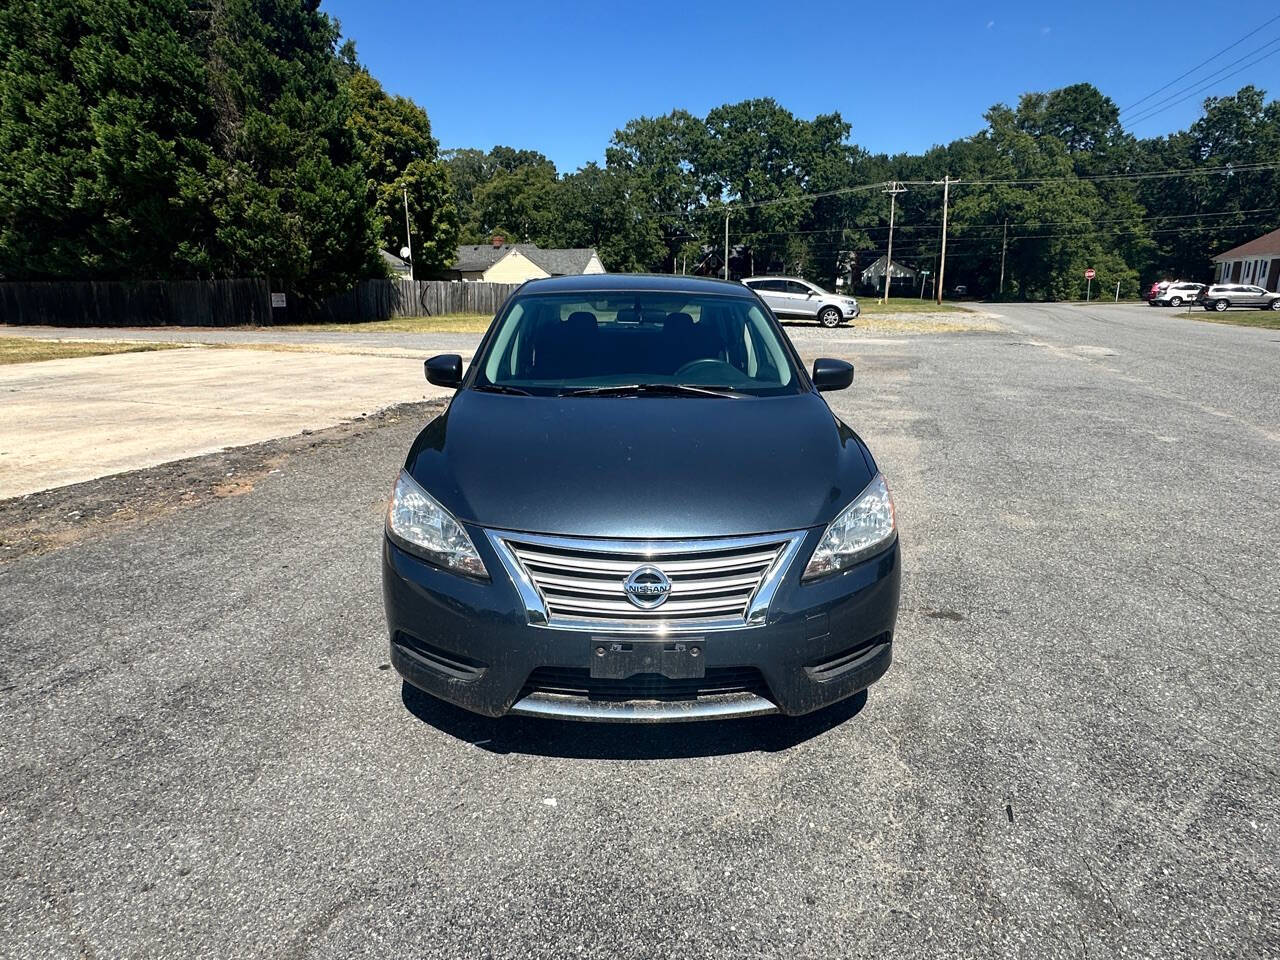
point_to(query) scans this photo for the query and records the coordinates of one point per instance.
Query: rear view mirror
(831, 374)
(444, 370)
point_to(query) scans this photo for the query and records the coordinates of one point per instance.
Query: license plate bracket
(613, 658)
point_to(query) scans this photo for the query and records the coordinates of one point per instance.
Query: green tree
(290, 194)
(600, 208)
(1235, 131)
(654, 158)
(104, 141)
(400, 154)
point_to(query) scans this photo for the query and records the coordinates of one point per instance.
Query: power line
(1157, 109)
(719, 209)
(1221, 170)
(967, 228)
(1202, 63)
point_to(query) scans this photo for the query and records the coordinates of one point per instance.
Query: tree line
(161, 139)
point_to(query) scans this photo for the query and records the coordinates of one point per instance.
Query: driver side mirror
(444, 370)
(831, 374)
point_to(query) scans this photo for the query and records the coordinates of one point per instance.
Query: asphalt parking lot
(1074, 754)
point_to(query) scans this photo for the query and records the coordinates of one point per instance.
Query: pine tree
(289, 185)
(103, 141)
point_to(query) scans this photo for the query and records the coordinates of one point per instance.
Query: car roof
(775, 276)
(636, 282)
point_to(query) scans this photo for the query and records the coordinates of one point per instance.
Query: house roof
(476, 258)
(393, 261)
(1267, 245)
(900, 269)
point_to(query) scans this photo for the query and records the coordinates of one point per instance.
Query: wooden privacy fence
(224, 303)
(385, 299)
(193, 303)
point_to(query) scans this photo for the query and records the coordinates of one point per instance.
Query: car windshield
(619, 343)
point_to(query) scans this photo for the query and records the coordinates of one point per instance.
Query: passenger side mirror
(831, 374)
(444, 370)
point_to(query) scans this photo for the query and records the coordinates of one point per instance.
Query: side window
(799, 288)
(771, 286)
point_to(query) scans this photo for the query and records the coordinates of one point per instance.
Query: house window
(1262, 271)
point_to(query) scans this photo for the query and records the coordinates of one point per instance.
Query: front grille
(580, 583)
(578, 682)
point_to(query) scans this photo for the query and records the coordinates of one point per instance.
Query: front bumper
(852, 312)
(469, 642)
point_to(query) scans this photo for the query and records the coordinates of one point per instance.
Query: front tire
(1221, 305)
(1275, 305)
(829, 317)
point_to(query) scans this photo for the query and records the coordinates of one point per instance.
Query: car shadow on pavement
(626, 741)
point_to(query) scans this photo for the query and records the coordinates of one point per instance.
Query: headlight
(420, 525)
(860, 530)
(850, 301)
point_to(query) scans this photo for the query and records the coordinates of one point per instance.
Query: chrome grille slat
(624, 567)
(666, 611)
(579, 584)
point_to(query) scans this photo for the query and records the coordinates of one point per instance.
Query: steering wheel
(702, 363)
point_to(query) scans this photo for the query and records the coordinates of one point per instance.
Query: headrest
(680, 323)
(580, 321)
(627, 315)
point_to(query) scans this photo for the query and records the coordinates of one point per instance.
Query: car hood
(642, 467)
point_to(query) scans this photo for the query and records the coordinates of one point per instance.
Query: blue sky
(560, 77)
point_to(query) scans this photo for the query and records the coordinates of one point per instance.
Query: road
(1073, 755)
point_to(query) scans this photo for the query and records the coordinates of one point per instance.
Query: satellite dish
(404, 253)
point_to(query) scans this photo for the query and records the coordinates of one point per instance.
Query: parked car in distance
(1177, 293)
(1224, 296)
(792, 297)
(638, 506)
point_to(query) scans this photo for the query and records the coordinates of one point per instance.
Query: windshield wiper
(503, 388)
(667, 389)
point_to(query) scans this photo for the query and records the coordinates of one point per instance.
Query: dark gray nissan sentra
(638, 507)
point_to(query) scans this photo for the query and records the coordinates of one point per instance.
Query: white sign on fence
(278, 300)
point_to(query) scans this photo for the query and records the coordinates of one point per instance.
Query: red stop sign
(1089, 274)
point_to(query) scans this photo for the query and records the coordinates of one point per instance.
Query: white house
(501, 262)
(874, 274)
(1256, 262)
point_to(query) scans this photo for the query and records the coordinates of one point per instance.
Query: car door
(1257, 297)
(804, 302)
(772, 293)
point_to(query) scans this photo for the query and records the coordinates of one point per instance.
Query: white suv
(1177, 293)
(793, 297)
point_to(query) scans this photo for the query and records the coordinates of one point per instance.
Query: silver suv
(1223, 296)
(792, 297)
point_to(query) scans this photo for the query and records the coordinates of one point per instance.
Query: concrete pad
(67, 421)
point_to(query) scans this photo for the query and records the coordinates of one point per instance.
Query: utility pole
(1004, 246)
(408, 237)
(726, 244)
(893, 190)
(942, 260)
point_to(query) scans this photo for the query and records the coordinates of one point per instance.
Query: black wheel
(1221, 305)
(1175, 301)
(829, 317)
(1275, 304)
